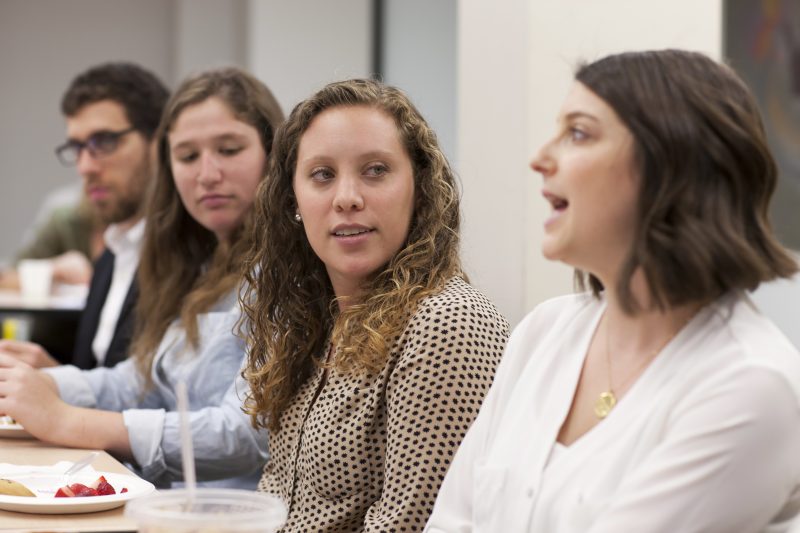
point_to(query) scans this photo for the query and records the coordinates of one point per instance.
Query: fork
(79, 465)
(76, 467)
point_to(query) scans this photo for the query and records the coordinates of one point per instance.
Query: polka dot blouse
(367, 452)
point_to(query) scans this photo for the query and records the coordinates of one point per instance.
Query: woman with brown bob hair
(369, 354)
(672, 403)
(213, 142)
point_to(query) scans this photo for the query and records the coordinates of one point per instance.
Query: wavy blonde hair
(290, 305)
(184, 270)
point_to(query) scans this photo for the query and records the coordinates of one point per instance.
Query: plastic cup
(213, 511)
(35, 278)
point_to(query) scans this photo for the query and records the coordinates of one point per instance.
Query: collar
(119, 239)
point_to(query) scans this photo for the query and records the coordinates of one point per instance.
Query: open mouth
(558, 203)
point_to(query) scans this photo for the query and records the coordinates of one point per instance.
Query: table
(35, 452)
(65, 299)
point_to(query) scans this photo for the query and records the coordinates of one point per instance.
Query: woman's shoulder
(228, 302)
(457, 290)
(459, 299)
(561, 310)
(219, 320)
(749, 341)
(457, 323)
(556, 322)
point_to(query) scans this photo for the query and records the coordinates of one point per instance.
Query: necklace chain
(607, 399)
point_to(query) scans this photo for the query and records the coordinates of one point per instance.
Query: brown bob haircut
(706, 173)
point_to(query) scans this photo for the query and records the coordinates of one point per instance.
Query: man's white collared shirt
(126, 246)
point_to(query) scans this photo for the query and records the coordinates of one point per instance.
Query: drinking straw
(187, 449)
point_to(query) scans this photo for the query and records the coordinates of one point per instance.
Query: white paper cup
(35, 279)
(213, 511)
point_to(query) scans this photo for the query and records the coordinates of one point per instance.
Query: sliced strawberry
(99, 487)
(64, 492)
(82, 490)
(96, 483)
(124, 490)
(104, 488)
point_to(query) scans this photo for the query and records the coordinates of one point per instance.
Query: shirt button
(530, 492)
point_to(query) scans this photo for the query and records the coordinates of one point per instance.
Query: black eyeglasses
(99, 144)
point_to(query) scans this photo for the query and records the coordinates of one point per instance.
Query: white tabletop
(62, 298)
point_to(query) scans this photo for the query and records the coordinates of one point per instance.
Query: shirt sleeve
(66, 229)
(728, 462)
(111, 389)
(225, 443)
(433, 395)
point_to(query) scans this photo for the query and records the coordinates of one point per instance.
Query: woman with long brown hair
(369, 354)
(213, 144)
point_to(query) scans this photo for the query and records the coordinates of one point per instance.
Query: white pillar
(516, 59)
(298, 46)
(494, 146)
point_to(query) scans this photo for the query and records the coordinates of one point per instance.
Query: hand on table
(30, 397)
(9, 279)
(72, 267)
(27, 352)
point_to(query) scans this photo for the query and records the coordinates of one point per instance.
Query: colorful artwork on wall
(762, 43)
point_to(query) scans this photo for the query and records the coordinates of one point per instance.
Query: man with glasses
(112, 112)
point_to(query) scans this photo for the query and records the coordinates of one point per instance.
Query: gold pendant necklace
(607, 400)
(604, 404)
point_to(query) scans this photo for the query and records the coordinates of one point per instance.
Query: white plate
(13, 431)
(46, 485)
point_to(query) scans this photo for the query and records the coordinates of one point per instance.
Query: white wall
(420, 57)
(516, 59)
(207, 34)
(493, 146)
(780, 301)
(297, 46)
(43, 45)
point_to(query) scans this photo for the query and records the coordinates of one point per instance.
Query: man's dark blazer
(82, 354)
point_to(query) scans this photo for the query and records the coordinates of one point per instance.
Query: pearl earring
(297, 217)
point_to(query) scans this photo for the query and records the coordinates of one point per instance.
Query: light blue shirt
(228, 451)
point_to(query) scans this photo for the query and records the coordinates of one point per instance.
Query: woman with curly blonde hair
(369, 354)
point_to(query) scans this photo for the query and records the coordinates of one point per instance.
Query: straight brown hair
(184, 270)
